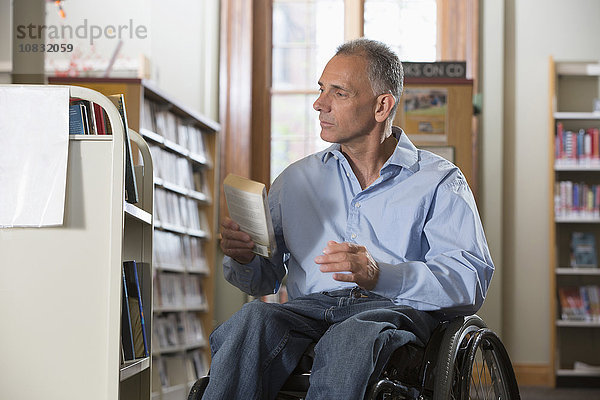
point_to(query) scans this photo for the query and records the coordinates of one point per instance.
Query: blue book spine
(76, 120)
(126, 333)
(139, 293)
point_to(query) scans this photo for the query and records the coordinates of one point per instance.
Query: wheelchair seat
(462, 360)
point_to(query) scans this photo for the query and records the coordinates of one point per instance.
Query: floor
(545, 393)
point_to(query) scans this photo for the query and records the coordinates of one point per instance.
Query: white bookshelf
(173, 157)
(61, 311)
(573, 88)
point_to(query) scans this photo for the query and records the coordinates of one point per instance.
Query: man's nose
(321, 104)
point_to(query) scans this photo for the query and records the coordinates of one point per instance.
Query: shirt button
(348, 174)
(353, 236)
(357, 205)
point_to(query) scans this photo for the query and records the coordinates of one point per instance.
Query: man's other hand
(235, 243)
(349, 262)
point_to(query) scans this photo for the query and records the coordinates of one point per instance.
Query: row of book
(177, 170)
(172, 167)
(172, 330)
(172, 290)
(159, 119)
(583, 250)
(174, 209)
(579, 303)
(176, 370)
(576, 148)
(576, 200)
(133, 325)
(179, 252)
(88, 118)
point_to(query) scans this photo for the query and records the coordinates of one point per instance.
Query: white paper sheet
(34, 142)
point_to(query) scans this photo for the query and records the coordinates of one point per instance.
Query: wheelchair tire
(486, 371)
(198, 388)
(448, 369)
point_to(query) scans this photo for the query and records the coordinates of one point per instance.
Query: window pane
(294, 130)
(305, 35)
(293, 68)
(408, 26)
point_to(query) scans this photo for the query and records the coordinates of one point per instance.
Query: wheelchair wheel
(198, 389)
(448, 370)
(486, 371)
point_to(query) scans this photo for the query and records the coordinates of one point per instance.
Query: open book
(249, 208)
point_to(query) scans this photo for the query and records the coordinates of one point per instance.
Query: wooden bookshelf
(573, 88)
(175, 358)
(62, 313)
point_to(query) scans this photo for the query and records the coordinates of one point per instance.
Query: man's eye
(340, 94)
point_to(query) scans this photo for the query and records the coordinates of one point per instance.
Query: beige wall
(534, 30)
(491, 150)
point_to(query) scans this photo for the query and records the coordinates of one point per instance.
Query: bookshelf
(574, 207)
(62, 309)
(184, 148)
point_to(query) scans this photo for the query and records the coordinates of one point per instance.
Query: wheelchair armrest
(299, 379)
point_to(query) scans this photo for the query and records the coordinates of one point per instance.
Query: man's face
(347, 103)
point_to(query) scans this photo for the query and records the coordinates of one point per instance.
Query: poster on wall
(424, 113)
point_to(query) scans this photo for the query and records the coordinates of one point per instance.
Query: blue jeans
(255, 351)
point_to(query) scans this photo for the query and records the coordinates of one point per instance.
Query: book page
(248, 211)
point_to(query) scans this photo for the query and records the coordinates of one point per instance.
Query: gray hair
(383, 67)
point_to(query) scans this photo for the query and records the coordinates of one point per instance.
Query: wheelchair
(462, 360)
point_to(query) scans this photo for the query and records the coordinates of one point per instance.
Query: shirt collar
(405, 155)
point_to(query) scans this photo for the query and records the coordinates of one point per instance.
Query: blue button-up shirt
(418, 220)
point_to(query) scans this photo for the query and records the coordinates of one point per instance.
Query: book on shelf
(127, 345)
(171, 289)
(77, 120)
(581, 147)
(583, 250)
(88, 114)
(197, 365)
(249, 208)
(136, 309)
(579, 303)
(131, 193)
(576, 200)
(571, 304)
(165, 329)
(100, 118)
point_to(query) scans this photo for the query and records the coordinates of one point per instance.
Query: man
(380, 241)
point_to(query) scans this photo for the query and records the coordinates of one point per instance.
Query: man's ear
(385, 104)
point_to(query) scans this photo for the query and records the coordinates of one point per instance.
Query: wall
(535, 29)
(491, 150)
(180, 40)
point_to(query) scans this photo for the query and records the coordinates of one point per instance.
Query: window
(407, 26)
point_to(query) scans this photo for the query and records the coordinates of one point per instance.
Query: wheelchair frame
(462, 360)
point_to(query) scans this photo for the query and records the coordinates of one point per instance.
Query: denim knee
(245, 320)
